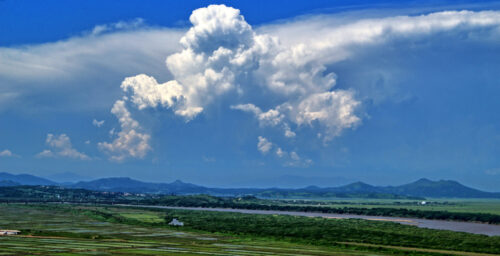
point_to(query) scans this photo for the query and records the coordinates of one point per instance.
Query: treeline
(252, 203)
(46, 194)
(290, 194)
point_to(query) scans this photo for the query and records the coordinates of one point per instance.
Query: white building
(175, 222)
(9, 232)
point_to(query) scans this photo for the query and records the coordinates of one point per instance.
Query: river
(469, 227)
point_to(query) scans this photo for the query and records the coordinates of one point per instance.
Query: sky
(252, 93)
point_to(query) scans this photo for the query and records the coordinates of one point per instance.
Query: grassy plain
(99, 230)
(491, 206)
(53, 231)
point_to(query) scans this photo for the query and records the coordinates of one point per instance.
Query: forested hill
(442, 188)
(419, 188)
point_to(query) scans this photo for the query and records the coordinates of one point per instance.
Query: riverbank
(458, 226)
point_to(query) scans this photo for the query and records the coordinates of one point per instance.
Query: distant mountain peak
(424, 180)
(359, 184)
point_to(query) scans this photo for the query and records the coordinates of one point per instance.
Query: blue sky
(252, 93)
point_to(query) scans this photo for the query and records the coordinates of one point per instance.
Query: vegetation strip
(317, 231)
(24, 194)
(252, 203)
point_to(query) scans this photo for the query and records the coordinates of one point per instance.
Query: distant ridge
(125, 184)
(67, 177)
(25, 179)
(418, 189)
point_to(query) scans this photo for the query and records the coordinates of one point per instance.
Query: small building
(423, 203)
(7, 232)
(176, 222)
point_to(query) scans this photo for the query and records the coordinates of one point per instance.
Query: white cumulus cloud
(264, 145)
(293, 159)
(7, 153)
(97, 123)
(334, 110)
(60, 146)
(131, 142)
(272, 117)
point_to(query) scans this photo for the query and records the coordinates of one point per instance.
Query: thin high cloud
(86, 67)
(321, 38)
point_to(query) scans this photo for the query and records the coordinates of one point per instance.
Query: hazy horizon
(282, 182)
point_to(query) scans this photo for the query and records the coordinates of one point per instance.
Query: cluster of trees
(253, 203)
(325, 231)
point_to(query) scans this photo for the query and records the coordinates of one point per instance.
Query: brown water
(469, 227)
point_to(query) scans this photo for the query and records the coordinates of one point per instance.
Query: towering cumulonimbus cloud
(221, 53)
(217, 50)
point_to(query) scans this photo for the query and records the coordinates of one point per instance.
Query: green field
(491, 206)
(98, 230)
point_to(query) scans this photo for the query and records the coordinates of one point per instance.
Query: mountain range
(420, 188)
(26, 179)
